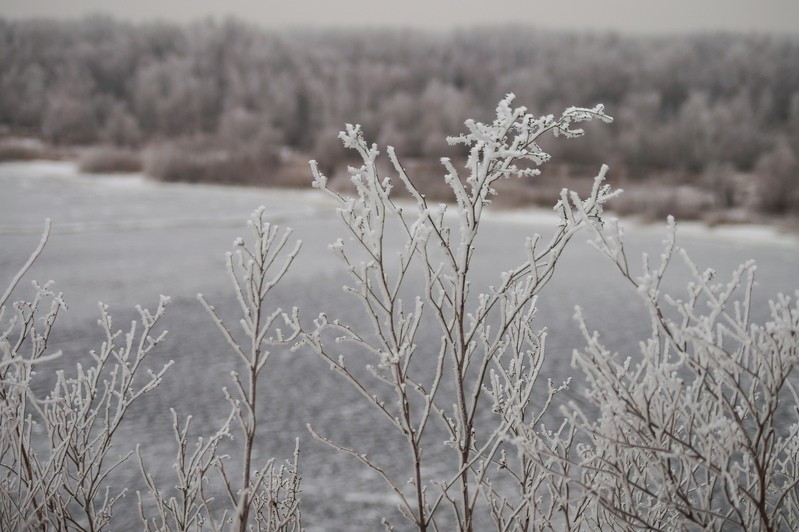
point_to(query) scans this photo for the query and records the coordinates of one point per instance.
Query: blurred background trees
(242, 103)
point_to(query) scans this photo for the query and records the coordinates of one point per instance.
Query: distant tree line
(227, 93)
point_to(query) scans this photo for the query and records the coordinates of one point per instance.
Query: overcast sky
(638, 16)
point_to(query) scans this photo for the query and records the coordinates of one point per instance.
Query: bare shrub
(55, 450)
(24, 149)
(56, 461)
(109, 159)
(778, 180)
(656, 202)
(262, 498)
(489, 353)
(189, 162)
(202, 161)
(697, 431)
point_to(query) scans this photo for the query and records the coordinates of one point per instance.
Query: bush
(778, 183)
(65, 483)
(23, 149)
(698, 430)
(202, 161)
(685, 202)
(109, 159)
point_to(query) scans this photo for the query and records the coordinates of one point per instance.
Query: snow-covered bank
(310, 203)
(749, 234)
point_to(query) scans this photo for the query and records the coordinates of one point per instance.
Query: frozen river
(124, 240)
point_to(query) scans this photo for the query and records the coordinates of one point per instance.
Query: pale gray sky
(638, 16)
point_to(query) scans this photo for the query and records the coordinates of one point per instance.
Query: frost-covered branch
(698, 429)
(490, 353)
(269, 495)
(54, 449)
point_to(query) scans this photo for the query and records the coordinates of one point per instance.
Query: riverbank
(765, 231)
(722, 199)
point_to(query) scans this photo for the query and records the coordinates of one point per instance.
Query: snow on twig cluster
(55, 450)
(489, 353)
(699, 430)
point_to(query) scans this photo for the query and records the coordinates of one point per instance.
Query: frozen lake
(124, 240)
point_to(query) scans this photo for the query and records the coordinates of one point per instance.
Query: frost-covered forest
(225, 101)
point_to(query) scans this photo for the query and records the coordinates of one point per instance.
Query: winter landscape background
(123, 132)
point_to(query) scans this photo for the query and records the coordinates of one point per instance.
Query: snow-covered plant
(56, 459)
(55, 448)
(700, 429)
(265, 497)
(444, 353)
